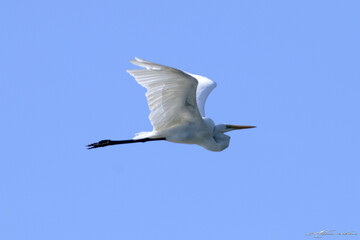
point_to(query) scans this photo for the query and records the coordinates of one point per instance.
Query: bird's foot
(102, 143)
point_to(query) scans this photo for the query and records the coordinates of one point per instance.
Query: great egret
(176, 100)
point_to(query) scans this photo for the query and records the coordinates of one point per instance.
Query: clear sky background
(289, 67)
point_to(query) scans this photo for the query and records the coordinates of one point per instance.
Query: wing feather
(171, 94)
(204, 88)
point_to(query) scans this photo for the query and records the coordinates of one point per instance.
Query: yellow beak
(239, 126)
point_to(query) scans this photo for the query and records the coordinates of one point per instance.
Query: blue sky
(289, 67)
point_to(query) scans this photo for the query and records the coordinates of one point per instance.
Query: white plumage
(177, 108)
(177, 103)
(171, 94)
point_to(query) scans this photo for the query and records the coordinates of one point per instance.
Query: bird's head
(221, 138)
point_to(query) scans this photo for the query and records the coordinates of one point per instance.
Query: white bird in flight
(176, 100)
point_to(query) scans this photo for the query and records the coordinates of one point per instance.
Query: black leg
(104, 143)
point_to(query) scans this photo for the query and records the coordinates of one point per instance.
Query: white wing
(205, 86)
(171, 94)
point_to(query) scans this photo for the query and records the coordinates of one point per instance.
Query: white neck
(220, 141)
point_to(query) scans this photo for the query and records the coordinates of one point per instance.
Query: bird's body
(200, 133)
(177, 103)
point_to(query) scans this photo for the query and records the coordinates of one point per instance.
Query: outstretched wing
(205, 86)
(171, 94)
